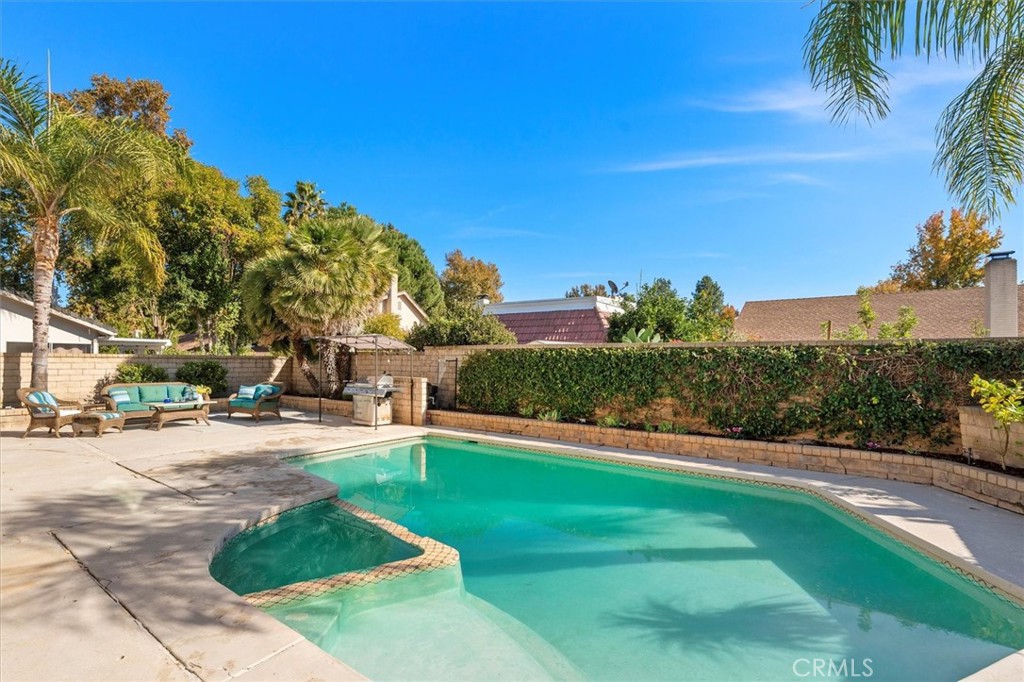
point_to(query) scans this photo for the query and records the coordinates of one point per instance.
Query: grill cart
(371, 398)
(371, 404)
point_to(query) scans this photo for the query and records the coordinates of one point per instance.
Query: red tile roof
(571, 326)
(943, 314)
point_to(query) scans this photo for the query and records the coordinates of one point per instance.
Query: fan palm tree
(323, 281)
(70, 164)
(980, 135)
(305, 203)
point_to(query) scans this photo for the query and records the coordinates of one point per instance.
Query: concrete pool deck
(105, 543)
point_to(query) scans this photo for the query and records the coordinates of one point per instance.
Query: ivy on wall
(871, 394)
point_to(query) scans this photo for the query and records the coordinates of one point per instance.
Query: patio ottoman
(98, 422)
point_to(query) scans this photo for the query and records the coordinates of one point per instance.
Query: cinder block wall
(985, 442)
(80, 376)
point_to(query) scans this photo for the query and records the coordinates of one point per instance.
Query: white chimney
(1001, 294)
(391, 302)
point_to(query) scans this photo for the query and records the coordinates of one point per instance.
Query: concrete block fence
(80, 376)
(985, 442)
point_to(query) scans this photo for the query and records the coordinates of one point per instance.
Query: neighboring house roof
(564, 320)
(943, 314)
(61, 313)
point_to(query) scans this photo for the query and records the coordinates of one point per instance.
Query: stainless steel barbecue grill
(371, 403)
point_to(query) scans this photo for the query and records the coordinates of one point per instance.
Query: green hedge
(872, 393)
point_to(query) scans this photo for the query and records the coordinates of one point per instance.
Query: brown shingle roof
(571, 326)
(943, 314)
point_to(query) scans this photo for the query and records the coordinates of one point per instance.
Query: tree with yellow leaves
(945, 256)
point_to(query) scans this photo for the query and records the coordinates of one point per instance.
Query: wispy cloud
(738, 158)
(797, 98)
(794, 97)
(691, 255)
(482, 232)
(573, 275)
(795, 179)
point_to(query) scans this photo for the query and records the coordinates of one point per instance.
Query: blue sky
(565, 142)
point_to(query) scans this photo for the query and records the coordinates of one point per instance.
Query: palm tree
(323, 281)
(980, 135)
(305, 203)
(70, 164)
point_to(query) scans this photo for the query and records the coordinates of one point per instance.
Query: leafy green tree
(305, 203)
(463, 324)
(322, 281)
(584, 290)
(69, 164)
(980, 133)
(658, 309)
(945, 256)
(15, 242)
(465, 280)
(710, 318)
(416, 274)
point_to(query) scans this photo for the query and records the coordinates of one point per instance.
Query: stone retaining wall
(1001, 490)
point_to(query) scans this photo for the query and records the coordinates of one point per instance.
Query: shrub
(204, 373)
(881, 393)
(388, 324)
(463, 325)
(140, 373)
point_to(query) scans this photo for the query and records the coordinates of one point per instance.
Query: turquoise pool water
(573, 569)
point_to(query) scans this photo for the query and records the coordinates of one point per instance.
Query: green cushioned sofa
(139, 394)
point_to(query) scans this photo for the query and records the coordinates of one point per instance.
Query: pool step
(449, 635)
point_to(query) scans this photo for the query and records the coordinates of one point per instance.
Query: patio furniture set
(158, 403)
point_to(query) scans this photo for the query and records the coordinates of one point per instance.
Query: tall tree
(980, 135)
(945, 256)
(465, 280)
(584, 290)
(69, 164)
(710, 320)
(324, 280)
(144, 101)
(304, 203)
(15, 242)
(416, 274)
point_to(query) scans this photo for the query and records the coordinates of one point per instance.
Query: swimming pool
(578, 569)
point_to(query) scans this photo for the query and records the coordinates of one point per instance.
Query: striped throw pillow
(247, 392)
(119, 395)
(42, 398)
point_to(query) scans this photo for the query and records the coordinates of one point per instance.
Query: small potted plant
(204, 392)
